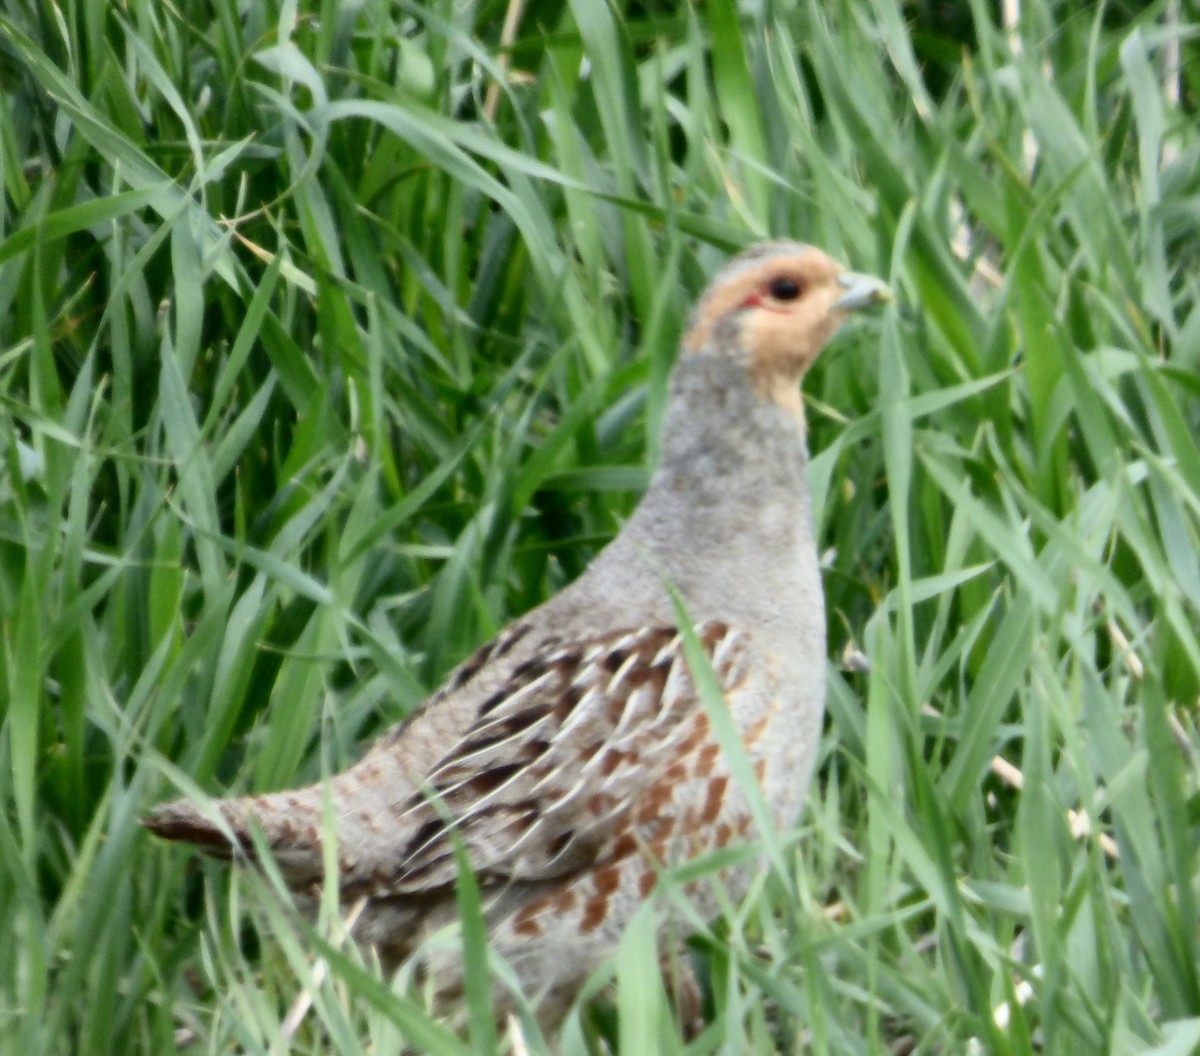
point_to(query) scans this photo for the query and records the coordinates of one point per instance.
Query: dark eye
(784, 289)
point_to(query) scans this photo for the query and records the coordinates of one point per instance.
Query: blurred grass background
(334, 334)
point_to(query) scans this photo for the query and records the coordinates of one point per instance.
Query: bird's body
(573, 755)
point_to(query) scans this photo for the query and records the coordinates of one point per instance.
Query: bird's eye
(784, 289)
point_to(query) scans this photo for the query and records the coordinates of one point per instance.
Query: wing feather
(539, 780)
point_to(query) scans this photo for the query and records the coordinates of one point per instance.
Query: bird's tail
(290, 824)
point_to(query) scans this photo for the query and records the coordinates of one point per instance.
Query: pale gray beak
(862, 291)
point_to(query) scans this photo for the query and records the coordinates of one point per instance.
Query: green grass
(312, 376)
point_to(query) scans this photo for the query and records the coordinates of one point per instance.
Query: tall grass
(317, 365)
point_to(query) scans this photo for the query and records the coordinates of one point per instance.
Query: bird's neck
(726, 445)
(728, 508)
(726, 522)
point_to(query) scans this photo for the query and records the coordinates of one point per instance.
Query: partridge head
(572, 755)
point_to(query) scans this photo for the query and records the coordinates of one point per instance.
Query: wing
(554, 759)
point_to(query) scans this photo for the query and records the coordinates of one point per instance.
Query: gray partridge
(572, 755)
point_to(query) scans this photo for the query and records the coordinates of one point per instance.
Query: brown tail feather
(290, 823)
(181, 821)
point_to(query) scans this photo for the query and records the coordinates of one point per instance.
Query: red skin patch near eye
(759, 300)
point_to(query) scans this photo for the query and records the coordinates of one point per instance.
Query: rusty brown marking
(696, 736)
(566, 900)
(707, 760)
(607, 880)
(757, 728)
(656, 797)
(613, 758)
(675, 773)
(647, 882)
(526, 922)
(625, 846)
(600, 803)
(714, 799)
(593, 914)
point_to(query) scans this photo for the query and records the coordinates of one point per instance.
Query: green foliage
(319, 361)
